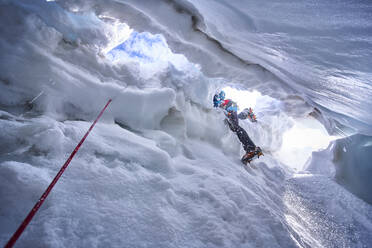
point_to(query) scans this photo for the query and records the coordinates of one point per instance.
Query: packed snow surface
(161, 169)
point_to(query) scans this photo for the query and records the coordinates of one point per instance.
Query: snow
(160, 169)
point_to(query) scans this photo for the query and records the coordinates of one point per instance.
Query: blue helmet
(222, 95)
(218, 98)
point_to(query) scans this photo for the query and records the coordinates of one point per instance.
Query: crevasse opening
(297, 137)
(307, 135)
(300, 136)
(150, 52)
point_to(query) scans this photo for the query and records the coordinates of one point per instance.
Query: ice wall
(160, 168)
(303, 52)
(352, 157)
(348, 161)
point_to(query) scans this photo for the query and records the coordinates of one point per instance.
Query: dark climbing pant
(233, 123)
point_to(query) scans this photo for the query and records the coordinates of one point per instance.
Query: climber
(230, 109)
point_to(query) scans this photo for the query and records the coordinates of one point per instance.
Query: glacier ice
(161, 169)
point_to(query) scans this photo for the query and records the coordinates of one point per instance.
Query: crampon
(249, 156)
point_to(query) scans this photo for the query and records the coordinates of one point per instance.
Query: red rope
(38, 204)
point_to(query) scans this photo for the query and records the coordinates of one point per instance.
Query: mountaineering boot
(248, 157)
(258, 151)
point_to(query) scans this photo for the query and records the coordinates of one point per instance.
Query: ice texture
(348, 160)
(161, 169)
(352, 157)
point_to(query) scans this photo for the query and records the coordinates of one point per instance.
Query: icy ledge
(349, 161)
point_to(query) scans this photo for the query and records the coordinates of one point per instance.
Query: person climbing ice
(232, 119)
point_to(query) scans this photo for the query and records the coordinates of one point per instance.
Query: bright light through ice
(243, 98)
(307, 135)
(120, 32)
(151, 53)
